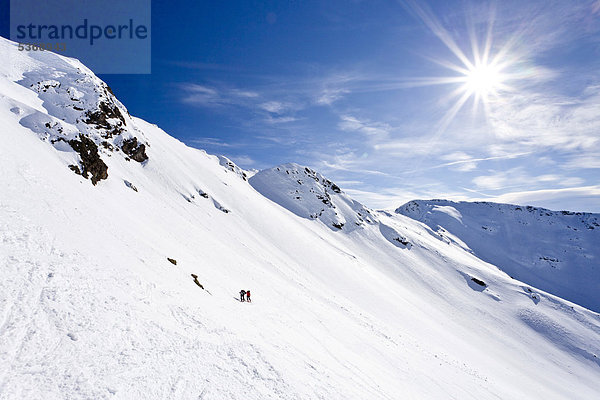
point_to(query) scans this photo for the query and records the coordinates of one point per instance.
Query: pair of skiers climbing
(245, 293)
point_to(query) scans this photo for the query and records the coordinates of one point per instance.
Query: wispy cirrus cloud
(584, 161)
(210, 96)
(460, 160)
(274, 107)
(273, 93)
(517, 177)
(244, 93)
(264, 110)
(210, 141)
(330, 95)
(280, 120)
(367, 127)
(244, 161)
(542, 120)
(463, 162)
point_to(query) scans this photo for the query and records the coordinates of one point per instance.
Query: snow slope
(309, 194)
(90, 307)
(556, 251)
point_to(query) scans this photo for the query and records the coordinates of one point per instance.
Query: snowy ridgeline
(557, 251)
(308, 194)
(121, 261)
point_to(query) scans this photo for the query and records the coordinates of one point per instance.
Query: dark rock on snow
(479, 282)
(196, 281)
(135, 150)
(91, 163)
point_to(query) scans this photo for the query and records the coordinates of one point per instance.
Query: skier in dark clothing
(248, 296)
(242, 294)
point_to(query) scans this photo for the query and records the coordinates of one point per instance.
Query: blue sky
(371, 94)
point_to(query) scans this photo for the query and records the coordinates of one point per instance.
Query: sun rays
(480, 75)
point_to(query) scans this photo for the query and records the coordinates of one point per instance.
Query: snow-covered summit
(309, 194)
(557, 251)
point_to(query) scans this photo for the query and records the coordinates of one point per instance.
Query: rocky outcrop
(136, 151)
(82, 113)
(91, 163)
(102, 116)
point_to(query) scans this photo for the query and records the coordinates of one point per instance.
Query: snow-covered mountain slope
(557, 251)
(91, 307)
(308, 194)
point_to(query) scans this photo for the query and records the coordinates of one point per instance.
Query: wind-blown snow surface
(557, 251)
(90, 307)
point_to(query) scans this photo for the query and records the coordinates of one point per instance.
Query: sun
(484, 74)
(484, 80)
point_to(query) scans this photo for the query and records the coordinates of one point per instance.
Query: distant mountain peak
(556, 251)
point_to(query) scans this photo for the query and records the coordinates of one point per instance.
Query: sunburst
(483, 76)
(483, 80)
